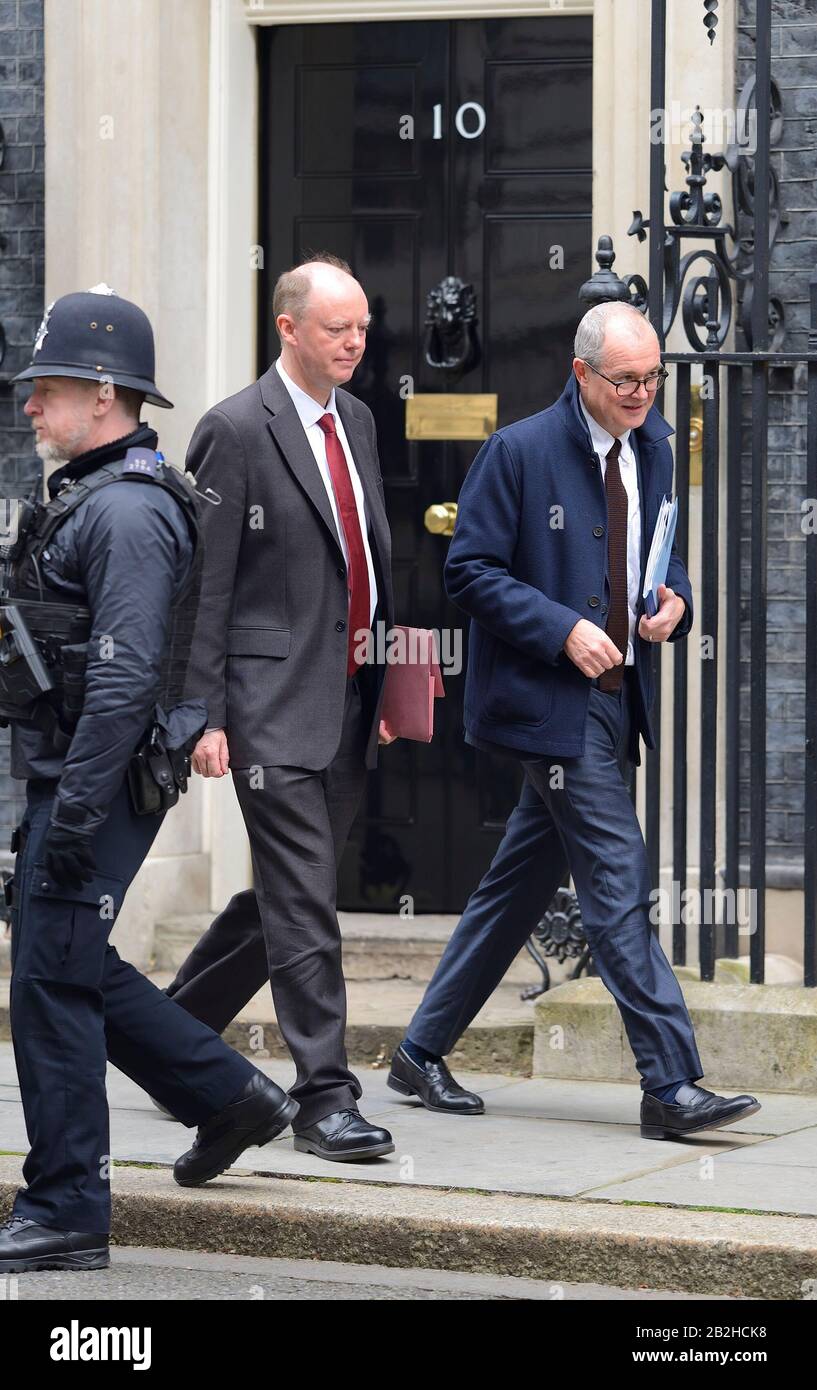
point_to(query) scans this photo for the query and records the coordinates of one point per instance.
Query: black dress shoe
(260, 1113)
(693, 1109)
(434, 1085)
(344, 1136)
(25, 1245)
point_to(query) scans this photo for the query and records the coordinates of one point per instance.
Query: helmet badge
(42, 331)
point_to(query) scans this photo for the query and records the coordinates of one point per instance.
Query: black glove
(68, 857)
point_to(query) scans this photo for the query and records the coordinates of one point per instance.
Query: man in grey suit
(297, 569)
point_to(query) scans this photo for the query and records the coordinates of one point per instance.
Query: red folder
(413, 682)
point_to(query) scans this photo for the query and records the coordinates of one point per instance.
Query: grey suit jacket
(270, 644)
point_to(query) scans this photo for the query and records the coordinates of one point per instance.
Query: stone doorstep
(750, 1037)
(506, 1049)
(376, 946)
(708, 1252)
(500, 1040)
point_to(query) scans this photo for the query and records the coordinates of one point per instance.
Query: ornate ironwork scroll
(558, 935)
(705, 298)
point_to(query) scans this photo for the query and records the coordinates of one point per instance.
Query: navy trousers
(74, 1002)
(576, 813)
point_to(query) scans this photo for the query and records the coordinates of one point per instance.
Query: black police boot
(259, 1114)
(26, 1246)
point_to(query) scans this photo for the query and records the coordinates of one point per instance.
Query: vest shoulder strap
(137, 465)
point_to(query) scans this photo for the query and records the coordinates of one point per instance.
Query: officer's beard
(51, 456)
(55, 453)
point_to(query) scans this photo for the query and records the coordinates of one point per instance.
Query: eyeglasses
(628, 388)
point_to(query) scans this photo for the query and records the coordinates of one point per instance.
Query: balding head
(322, 275)
(321, 315)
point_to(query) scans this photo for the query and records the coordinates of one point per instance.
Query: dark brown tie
(618, 618)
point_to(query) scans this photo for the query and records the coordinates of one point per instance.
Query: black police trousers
(74, 1002)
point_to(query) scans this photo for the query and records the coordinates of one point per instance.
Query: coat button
(604, 608)
(593, 601)
(340, 625)
(598, 530)
(45, 887)
(341, 573)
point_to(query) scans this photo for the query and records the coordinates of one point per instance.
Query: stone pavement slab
(777, 1174)
(609, 1101)
(562, 1139)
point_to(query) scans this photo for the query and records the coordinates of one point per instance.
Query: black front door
(418, 151)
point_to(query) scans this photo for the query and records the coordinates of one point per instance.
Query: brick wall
(21, 273)
(793, 259)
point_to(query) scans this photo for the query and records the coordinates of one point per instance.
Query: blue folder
(660, 550)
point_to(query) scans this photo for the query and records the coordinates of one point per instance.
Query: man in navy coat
(548, 556)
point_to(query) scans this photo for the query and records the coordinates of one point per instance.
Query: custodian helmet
(99, 336)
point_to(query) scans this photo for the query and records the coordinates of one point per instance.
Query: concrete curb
(708, 1252)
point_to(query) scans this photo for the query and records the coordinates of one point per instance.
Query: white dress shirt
(309, 413)
(603, 443)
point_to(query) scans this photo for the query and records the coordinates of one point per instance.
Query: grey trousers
(286, 928)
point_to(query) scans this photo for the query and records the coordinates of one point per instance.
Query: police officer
(92, 657)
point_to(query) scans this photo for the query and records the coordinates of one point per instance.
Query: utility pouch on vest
(71, 680)
(24, 676)
(151, 777)
(73, 660)
(7, 902)
(157, 771)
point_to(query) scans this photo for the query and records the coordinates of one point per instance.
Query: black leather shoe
(434, 1085)
(261, 1112)
(344, 1136)
(25, 1245)
(693, 1109)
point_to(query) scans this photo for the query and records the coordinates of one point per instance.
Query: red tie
(359, 598)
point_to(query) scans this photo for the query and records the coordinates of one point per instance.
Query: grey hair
(589, 341)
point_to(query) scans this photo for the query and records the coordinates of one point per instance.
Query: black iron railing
(726, 269)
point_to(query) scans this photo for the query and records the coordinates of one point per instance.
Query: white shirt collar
(309, 411)
(602, 439)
